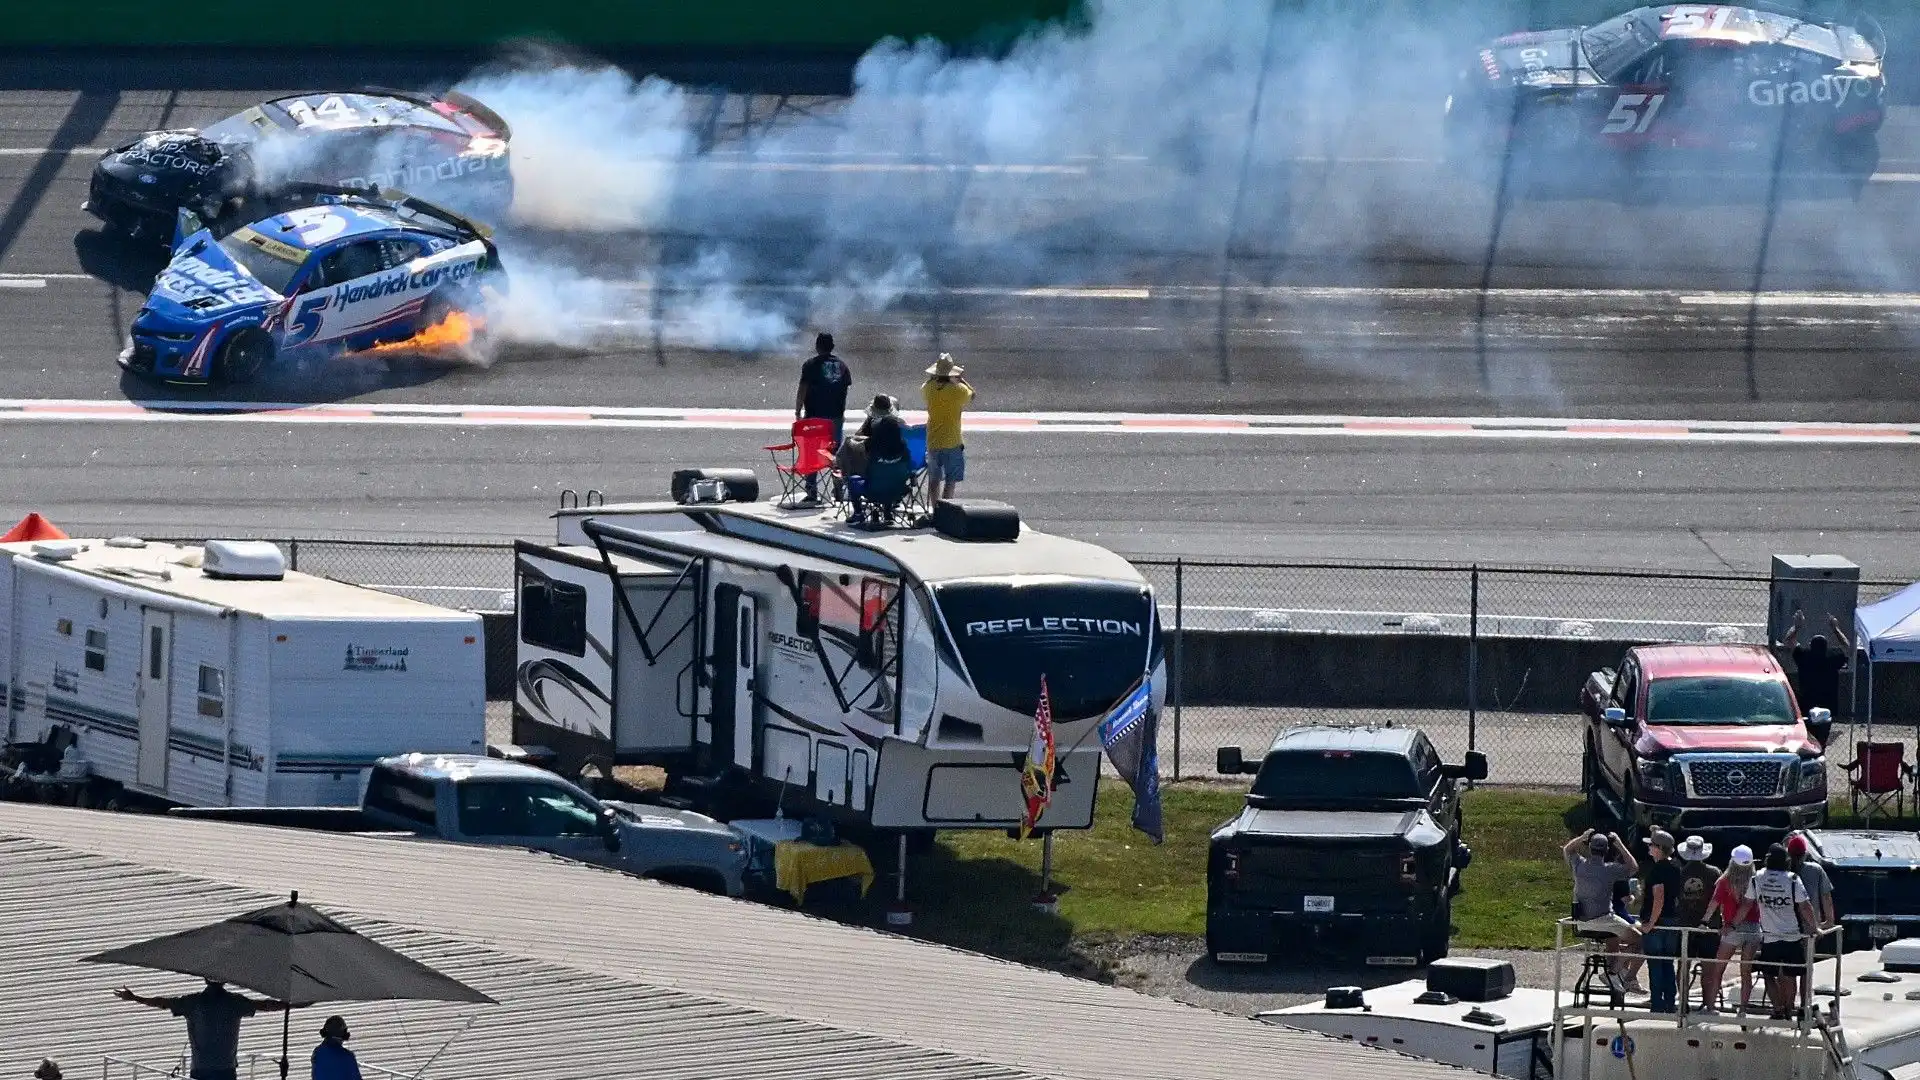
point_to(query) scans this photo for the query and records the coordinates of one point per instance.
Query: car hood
(1726, 738)
(641, 817)
(1536, 60)
(169, 162)
(1316, 826)
(203, 281)
(1866, 848)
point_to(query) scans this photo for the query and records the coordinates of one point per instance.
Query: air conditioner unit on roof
(243, 560)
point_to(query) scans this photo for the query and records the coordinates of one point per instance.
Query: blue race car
(347, 270)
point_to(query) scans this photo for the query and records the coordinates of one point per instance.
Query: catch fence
(1490, 658)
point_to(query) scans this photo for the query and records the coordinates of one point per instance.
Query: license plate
(1242, 957)
(1393, 961)
(1318, 905)
(1881, 931)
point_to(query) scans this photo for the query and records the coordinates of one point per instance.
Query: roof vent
(1346, 997)
(243, 560)
(58, 550)
(126, 542)
(1902, 955)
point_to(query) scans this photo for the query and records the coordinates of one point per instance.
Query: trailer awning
(685, 544)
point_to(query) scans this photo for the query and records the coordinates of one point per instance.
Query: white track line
(30, 410)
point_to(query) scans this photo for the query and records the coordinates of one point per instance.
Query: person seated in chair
(889, 467)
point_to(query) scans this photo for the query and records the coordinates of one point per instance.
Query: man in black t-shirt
(1659, 913)
(824, 382)
(1816, 667)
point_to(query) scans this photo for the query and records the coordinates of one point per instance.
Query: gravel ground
(1175, 968)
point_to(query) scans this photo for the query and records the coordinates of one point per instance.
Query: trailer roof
(599, 976)
(296, 595)
(928, 555)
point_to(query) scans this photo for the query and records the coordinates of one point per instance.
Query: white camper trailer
(887, 678)
(216, 677)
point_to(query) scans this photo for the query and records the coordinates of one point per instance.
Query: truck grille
(1751, 778)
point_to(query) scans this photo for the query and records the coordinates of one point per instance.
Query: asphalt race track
(1380, 303)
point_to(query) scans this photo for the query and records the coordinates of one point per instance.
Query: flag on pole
(1131, 735)
(1036, 783)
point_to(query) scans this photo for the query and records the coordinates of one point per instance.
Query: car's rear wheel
(243, 357)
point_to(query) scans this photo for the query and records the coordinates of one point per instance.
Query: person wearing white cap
(1739, 920)
(947, 393)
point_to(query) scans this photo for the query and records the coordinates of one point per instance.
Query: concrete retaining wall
(1429, 671)
(1369, 671)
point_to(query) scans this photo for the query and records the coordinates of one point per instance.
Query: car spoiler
(455, 98)
(1830, 15)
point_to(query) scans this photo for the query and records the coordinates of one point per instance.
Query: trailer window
(213, 691)
(406, 797)
(553, 615)
(1087, 637)
(96, 650)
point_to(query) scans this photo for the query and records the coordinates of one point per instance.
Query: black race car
(446, 146)
(1674, 90)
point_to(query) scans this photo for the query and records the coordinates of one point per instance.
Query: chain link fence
(1481, 657)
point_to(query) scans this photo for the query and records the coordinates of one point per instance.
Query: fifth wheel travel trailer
(781, 659)
(143, 672)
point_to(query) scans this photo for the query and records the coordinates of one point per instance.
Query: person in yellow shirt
(947, 393)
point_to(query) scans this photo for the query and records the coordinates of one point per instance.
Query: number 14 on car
(1633, 114)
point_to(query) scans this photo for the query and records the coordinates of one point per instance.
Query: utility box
(1819, 585)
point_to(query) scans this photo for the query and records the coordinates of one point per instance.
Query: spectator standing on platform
(824, 382)
(947, 393)
(1739, 919)
(1659, 913)
(1785, 916)
(213, 1018)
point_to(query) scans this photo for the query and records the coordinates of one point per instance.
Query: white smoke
(1064, 161)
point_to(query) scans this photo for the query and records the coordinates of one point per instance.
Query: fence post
(1179, 688)
(293, 553)
(1473, 659)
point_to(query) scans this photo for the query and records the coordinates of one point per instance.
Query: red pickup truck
(1700, 739)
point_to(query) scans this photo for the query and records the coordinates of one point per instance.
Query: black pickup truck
(1350, 838)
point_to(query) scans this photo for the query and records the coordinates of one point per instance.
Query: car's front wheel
(243, 357)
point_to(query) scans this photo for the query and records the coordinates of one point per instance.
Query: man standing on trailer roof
(947, 393)
(824, 382)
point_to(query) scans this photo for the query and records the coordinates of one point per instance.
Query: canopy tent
(32, 527)
(1890, 629)
(1887, 631)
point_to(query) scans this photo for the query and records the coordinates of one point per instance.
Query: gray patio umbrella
(293, 953)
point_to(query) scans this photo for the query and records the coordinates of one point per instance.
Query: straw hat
(945, 367)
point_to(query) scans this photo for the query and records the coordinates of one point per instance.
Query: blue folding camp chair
(916, 502)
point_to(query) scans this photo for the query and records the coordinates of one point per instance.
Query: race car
(349, 270)
(448, 147)
(1673, 90)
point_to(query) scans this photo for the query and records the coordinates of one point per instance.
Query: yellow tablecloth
(798, 864)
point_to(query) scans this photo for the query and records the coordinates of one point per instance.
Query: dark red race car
(1679, 90)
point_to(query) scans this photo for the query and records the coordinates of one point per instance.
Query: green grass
(1117, 887)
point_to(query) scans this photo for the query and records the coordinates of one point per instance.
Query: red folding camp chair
(807, 454)
(1878, 776)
